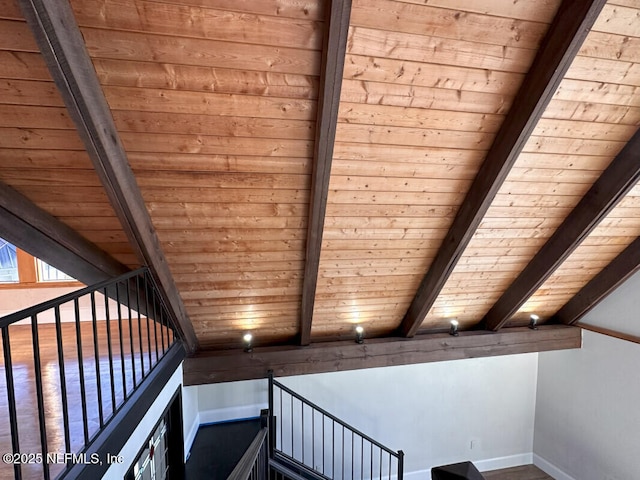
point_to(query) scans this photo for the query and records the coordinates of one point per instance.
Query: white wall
(587, 423)
(16, 299)
(142, 432)
(587, 417)
(431, 411)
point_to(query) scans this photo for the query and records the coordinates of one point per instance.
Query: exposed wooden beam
(600, 286)
(561, 44)
(333, 57)
(224, 366)
(615, 182)
(63, 48)
(44, 236)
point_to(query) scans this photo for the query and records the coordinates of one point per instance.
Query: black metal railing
(254, 464)
(306, 435)
(69, 365)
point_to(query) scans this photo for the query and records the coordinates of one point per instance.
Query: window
(8, 262)
(18, 268)
(47, 273)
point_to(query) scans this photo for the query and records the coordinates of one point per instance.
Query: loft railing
(69, 366)
(308, 436)
(254, 464)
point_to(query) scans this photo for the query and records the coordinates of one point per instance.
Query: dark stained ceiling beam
(44, 236)
(561, 44)
(615, 182)
(599, 287)
(333, 57)
(231, 365)
(62, 45)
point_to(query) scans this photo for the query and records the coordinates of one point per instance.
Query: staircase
(300, 440)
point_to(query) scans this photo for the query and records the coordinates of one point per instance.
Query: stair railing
(88, 352)
(308, 436)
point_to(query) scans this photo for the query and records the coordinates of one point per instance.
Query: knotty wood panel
(583, 263)
(425, 90)
(590, 119)
(215, 104)
(41, 153)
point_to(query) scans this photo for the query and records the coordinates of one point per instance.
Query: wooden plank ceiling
(221, 107)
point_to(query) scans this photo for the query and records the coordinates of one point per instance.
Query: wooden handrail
(245, 465)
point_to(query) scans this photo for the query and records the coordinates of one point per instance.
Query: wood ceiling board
(544, 11)
(437, 50)
(581, 260)
(141, 161)
(126, 45)
(166, 76)
(203, 103)
(393, 116)
(39, 141)
(392, 94)
(172, 19)
(558, 49)
(378, 70)
(44, 236)
(64, 50)
(446, 23)
(621, 268)
(585, 111)
(419, 137)
(619, 178)
(610, 94)
(153, 122)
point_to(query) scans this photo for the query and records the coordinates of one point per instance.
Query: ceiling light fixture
(454, 328)
(533, 321)
(359, 334)
(248, 346)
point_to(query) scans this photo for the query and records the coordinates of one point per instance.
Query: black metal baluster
(83, 391)
(281, 424)
(11, 399)
(371, 453)
(39, 394)
(122, 362)
(342, 451)
(380, 466)
(155, 318)
(353, 446)
(146, 314)
(313, 437)
(302, 429)
(333, 447)
(140, 328)
(361, 458)
(162, 328)
(131, 344)
(110, 352)
(291, 423)
(63, 383)
(390, 462)
(96, 352)
(323, 442)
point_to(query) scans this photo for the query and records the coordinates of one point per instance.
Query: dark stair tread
(217, 448)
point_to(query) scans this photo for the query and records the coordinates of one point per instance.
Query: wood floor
(124, 366)
(525, 472)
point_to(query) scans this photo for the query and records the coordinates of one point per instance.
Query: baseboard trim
(550, 469)
(191, 436)
(231, 413)
(504, 462)
(482, 465)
